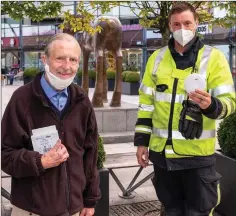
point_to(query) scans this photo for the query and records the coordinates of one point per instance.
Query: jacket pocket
(209, 190)
(48, 193)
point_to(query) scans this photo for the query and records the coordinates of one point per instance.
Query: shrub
(101, 153)
(111, 75)
(31, 72)
(124, 75)
(79, 74)
(92, 74)
(132, 77)
(227, 135)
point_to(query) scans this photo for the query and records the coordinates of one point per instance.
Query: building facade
(23, 42)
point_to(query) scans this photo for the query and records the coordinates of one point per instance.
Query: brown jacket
(62, 190)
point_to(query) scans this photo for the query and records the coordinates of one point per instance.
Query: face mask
(183, 36)
(56, 82)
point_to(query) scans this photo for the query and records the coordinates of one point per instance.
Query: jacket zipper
(169, 139)
(65, 163)
(67, 189)
(67, 176)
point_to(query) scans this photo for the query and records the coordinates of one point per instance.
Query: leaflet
(43, 139)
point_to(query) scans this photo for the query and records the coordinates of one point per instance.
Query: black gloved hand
(190, 123)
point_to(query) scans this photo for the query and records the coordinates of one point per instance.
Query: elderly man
(64, 179)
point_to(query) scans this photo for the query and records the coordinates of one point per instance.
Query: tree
(154, 14)
(86, 13)
(36, 11)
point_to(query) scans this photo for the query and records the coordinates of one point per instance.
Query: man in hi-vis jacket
(176, 130)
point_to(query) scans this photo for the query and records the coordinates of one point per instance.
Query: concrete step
(117, 137)
(120, 154)
(119, 148)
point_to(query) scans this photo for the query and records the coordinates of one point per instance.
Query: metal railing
(4, 192)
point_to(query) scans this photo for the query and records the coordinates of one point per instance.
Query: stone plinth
(116, 119)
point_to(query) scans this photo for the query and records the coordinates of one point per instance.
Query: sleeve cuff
(212, 108)
(39, 163)
(141, 139)
(90, 204)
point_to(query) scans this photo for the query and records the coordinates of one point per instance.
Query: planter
(27, 80)
(110, 85)
(91, 82)
(129, 88)
(102, 207)
(226, 166)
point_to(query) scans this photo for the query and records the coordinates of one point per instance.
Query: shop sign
(204, 29)
(131, 27)
(10, 42)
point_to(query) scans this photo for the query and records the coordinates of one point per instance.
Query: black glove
(190, 123)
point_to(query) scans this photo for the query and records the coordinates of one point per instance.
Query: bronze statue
(110, 39)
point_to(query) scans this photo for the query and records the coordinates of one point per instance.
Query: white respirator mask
(56, 82)
(183, 36)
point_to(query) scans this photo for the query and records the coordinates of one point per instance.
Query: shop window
(31, 59)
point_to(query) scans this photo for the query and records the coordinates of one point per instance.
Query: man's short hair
(59, 36)
(180, 7)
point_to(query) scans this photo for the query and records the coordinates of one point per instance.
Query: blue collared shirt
(58, 98)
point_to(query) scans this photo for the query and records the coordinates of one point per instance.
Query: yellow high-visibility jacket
(159, 112)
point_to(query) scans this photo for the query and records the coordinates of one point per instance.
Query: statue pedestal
(116, 119)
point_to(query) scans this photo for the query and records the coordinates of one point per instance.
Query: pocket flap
(210, 178)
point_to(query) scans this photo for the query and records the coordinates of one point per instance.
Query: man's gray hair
(59, 36)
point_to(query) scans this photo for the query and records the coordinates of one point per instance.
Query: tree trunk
(116, 98)
(97, 96)
(165, 37)
(85, 77)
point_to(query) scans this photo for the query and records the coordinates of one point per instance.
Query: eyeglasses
(63, 60)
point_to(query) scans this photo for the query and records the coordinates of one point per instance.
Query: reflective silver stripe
(146, 90)
(204, 60)
(169, 151)
(224, 110)
(177, 135)
(221, 90)
(149, 130)
(160, 96)
(158, 59)
(144, 107)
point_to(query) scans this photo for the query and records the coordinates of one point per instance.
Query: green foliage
(31, 72)
(79, 73)
(154, 14)
(124, 74)
(111, 75)
(227, 135)
(132, 77)
(230, 19)
(92, 74)
(131, 68)
(101, 153)
(86, 14)
(36, 11)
